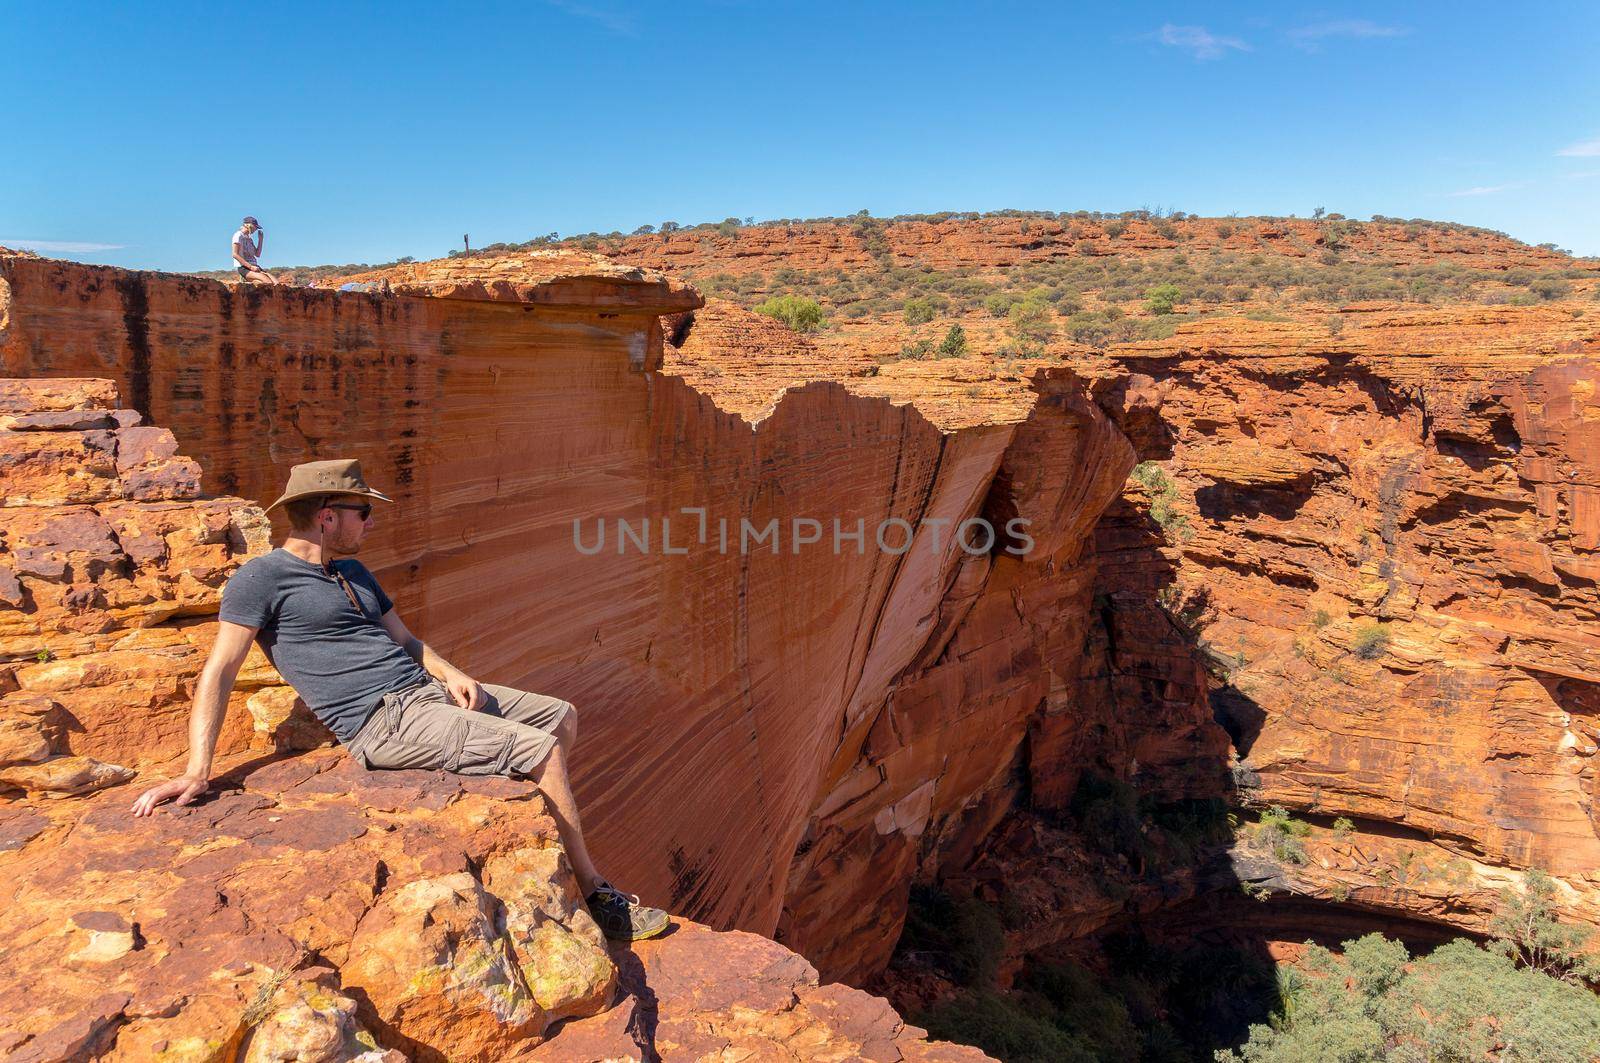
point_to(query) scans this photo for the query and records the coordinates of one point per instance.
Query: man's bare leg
(619, 917)
(551, 778)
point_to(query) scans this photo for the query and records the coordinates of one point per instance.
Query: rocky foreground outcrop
(306, 909)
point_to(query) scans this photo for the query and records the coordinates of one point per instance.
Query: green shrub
(1089, 328)
(920, 310)
(1460, 1003)
(1108, 813)
(1526, 929)
(1370, 641)
(1006, 1027)
(1550, 288)
(1163, 298)
(965, 935)
(954, 344)
(1032, 323)
(917, 351)
(796, 311)
(1163, 498)
(1000, 303)
(1280, 834)
(1159, 329)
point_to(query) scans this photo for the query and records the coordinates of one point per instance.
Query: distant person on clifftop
(330, 630)
(247, 245)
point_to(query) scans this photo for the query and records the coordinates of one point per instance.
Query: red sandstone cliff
(308, 909)
(1380, 524)
(1391, 537)
(753, 719)
(823, 728)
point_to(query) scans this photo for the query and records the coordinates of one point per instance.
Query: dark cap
(248, 220)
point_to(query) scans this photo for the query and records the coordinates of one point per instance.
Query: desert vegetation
(1373, 1000)
(1522, 996)
(1122, 276)
(796, 311)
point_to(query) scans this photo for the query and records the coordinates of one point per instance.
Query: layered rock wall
(777, 732)
(1389, 542)
(305, 908)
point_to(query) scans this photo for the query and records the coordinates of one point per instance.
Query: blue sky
(139, 134)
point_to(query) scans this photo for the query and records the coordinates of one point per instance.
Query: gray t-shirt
(339, 660)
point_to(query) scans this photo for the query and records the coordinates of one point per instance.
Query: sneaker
(622, 917)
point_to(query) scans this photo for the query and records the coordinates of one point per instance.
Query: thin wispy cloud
(1310, 36)
(1199, 41)
(611, 20)
(1583, 149)
(61, 246)
(1581, 175)
(1486, 190)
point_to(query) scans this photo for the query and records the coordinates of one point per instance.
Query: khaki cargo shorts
(422, 727)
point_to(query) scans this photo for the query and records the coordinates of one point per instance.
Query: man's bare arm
(467, 692)
(205, 718)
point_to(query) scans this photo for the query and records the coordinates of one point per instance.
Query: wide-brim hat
(336, 476)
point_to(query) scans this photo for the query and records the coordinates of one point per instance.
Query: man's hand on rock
(465, 690)
(185, 788)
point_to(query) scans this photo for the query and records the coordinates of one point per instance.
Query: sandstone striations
(827, 698)
(308, 909)
(1389, 540)
(1372, 519)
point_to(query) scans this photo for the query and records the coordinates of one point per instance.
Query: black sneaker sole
(642, 936)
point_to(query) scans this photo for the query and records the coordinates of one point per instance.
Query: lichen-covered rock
(307, 1019)
(438, 971)
(560, 949)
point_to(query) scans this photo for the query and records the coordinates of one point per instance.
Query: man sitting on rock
(335, 636)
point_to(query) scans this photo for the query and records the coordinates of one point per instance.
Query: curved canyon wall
(773, 738)
(1388, 539)
(304, 908)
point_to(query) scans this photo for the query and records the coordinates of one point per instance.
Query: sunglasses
(365, 509)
